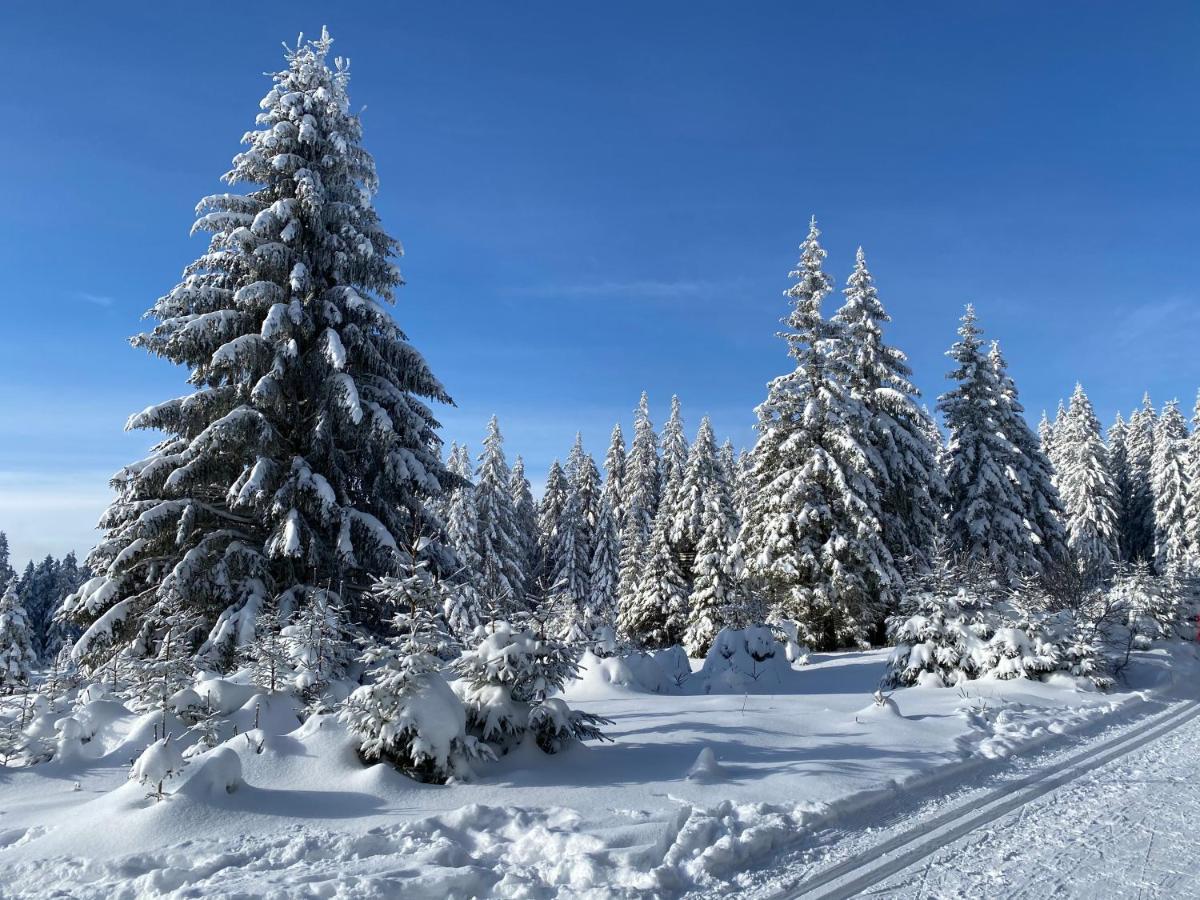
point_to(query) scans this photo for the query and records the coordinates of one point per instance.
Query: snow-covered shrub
(17, 657)
(507, 683)
(941, 631)
(406, 713)
(1014, 653)
(158, 762)
(787, 631)
(317, 648)
(741, 658)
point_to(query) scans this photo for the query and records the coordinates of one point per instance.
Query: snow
(701, 785)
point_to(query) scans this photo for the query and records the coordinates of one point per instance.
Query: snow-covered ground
(797, 756)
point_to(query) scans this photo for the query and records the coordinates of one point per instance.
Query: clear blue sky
(601, 198)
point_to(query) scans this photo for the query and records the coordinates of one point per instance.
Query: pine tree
(318, 647)
(1140, 537)
(630, 564)
(896, 438)
(577, 539)
(674, 449)
(1118, 462)
(6, 569)
(701, 478)
(500, 538)
(1168, 475)
(614, 478)
(550, 513)
(525, 515)
(1192, 476)
(986, 520)
(406, 713)
(716, 595)
(268, 659)
(1033, 475)
(462, 523)
(657, 614)
(643, 479)
(306, 448)
(17, 656)
(604, 571)
(1088, 489)
(1045, 432)
(812, 533)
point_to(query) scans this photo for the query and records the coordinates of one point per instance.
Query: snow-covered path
(1115, 819)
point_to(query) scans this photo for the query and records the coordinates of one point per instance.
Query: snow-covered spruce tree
(500, 540)
(674, 449)
(550, 513)
(985, 524)
(941, 631)
(1034, 476)
(462, 523)
(525, 514)
(17, 657)
(1191, 527)
(508, 683)
(717, 595)
(656, 614)
(604, 572)
(812, 533)
(1140, 528)
(629, 575)
(267, 658)
(1118, 463)
(614, 478)
(6, 570)
(643, 480)
(1168, 475)
(577, 524)
(1088, 490)
(879, 377)
(701, 478)
(406, 713)
(39, 589)
(318, 647)
(306, 449)
(1045, 431)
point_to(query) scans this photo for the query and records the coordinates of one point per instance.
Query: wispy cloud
(652, 289)
(95, 299)
(51, 512)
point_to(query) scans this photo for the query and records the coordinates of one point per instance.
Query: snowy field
(710, 786)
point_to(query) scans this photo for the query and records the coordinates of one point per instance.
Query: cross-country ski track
(874, 864)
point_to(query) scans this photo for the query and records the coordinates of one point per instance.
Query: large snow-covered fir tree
(812, 534)
(1032, 473)
(501, 542)
(576, 540)
(1168, 474)
(306, 452)
(525, 514)
(1191, 525)
(643, 480)
(701, 478)
(1088, 489)
(615, 463)
(554, 500)
(878, 377)
(986, 519)
(17, 656)
(1118, 464)
(674, 448)
(656, 613)
(604, 571)
(1140, 527)
(462, 521)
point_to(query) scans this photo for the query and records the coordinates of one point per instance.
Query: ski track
(1091, 825)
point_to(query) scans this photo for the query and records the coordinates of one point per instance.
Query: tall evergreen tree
(6, 570)
(1192, 474)
(657, 613)
(878, 377)
(1033, 474)
(614, 478)
(1139, 540)
(550, 514)
(306, 450)
(674, 448)
(462, 522)
(1089, 491)
(1046, 436)
(642, 476)
(1168, 474)
(17, 656)
(1118, 463)
(812, 533)
(604, 570)
(701, 478)
(577, 526)
(500, 538)
(986, 519)
(525, 514)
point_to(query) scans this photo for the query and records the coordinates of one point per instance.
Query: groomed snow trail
(1116, 819)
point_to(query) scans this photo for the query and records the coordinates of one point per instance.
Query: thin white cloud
(649, 289)
(95, 299)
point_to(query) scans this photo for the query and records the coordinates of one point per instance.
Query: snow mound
(706, 767)
(747, 660)
(158, 762)
(884, 707)
(217, 772)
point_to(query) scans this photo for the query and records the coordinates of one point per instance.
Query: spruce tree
(305, 450)
(657, 613)
(550, 513)
(812, 533)
(17, 656)
(643, 481)
(1168, 472)
(462, 523)
(6, 569)
(701, 478)
(604, 570)
(1088, 490)
(614, 478)
(1032, 474)
(1140, 537)
(1192, 475)
(501, 542)
(896, 437)
(1118, 461)
(525, 514)
(576, 541)
(985, 524)
(674, 449)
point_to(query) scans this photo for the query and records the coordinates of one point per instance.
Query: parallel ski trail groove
(953, 824)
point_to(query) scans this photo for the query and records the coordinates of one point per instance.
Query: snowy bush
(507, 683)
(740, 658)
(158, 762)
(406, 713)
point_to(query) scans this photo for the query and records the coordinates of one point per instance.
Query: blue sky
(599, 199)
